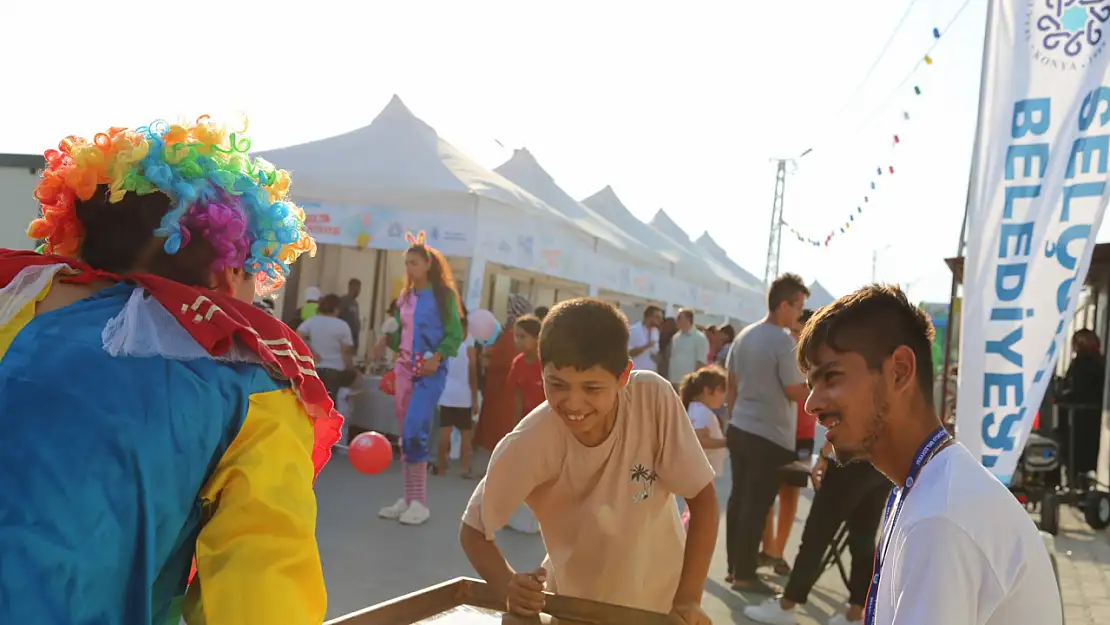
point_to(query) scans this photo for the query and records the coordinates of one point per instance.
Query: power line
(894, 92)
(878, 59)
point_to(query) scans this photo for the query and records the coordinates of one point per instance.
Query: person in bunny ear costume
(429, 332)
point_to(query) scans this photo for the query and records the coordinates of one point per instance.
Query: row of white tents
(371, 186)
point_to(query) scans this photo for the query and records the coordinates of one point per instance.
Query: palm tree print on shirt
(647, 478)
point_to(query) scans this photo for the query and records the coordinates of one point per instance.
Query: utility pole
(774, 238)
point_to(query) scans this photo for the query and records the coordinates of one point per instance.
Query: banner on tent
(521, 245)
(384, 228)
(1037, 197)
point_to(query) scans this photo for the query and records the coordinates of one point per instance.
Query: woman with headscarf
(498, 416)
(1081, 399)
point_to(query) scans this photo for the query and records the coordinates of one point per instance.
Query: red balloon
(370, 453)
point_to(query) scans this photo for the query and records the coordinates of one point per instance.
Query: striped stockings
(415, 475)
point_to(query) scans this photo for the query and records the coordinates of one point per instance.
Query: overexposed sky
(676, 105)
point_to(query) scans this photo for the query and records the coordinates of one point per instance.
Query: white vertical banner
(1038, 193)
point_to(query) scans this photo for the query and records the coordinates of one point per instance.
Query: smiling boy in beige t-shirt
(599, 464)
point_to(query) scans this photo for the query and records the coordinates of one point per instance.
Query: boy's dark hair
(651, 310)
(530, 324)
(328, 304)
(540, 312)
(872, 322)
(785, 288)
(583, 333)
(707, 378)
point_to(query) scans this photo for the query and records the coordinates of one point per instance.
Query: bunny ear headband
(419, 239)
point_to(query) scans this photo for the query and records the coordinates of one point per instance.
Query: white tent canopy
(818, 296)
(396, 156)
(750, 295)
(708, 244)
(397, 175)
(524, 170)
(606, 203)
(693, 283)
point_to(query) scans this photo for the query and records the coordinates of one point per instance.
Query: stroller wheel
(1050, 513)
(1096, 509)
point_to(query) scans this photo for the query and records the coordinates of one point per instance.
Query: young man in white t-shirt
(643, 340)
(599, 464)
(956, 547)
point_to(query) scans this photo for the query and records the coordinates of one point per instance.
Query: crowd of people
(171, 474)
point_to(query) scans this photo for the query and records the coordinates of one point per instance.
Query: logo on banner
(1066, 34)
(395, 230)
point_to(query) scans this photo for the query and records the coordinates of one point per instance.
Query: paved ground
(1083, 560)
(368, 560)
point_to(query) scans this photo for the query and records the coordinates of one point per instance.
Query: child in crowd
(526, 374)
(458, 405)
(599, 465)
(703, 392)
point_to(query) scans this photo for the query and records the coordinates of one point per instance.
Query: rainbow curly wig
(217, 191)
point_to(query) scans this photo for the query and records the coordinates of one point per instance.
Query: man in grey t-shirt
(763, 381)
(763, 364)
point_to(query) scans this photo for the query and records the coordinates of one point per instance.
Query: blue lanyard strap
(894, 503)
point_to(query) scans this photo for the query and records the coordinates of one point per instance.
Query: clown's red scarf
(215, 321)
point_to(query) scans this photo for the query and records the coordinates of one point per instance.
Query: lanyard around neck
(894, 502)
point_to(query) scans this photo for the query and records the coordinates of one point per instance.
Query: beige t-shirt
(607, 514)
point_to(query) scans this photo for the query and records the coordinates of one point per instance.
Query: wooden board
(465, 601)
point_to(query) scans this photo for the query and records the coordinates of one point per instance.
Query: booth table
(371, 409)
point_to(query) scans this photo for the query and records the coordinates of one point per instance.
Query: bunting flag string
(886, 168)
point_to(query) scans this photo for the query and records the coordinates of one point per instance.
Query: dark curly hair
(872, 322)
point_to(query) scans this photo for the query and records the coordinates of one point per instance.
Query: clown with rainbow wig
(161, 434)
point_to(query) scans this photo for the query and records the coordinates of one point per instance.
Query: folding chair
(835, 553)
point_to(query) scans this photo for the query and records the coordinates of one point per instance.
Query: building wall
(17, 206)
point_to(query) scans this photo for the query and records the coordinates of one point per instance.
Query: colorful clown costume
(160, 437)
(422, 333)
(97, 529)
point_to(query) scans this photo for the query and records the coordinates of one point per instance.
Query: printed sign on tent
(1037, 197)
(449, 232)
(384, 228)
(335, 224)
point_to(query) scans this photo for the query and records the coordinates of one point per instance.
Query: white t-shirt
(456, 392)
(701, 416)
(638, 336)
(965, 552)
(327, 336)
